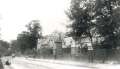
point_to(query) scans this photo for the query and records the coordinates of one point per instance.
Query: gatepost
(58, 49)
(90, 53)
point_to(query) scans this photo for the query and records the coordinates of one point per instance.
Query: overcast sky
(15, 14)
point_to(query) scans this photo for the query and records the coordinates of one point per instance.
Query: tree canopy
(28, 39)
(96, 19)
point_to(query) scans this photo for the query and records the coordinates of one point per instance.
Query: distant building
(59, 43)
(52, 42)
(76, 46)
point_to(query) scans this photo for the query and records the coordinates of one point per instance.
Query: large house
(49, 41)
(61, 44)
(52, 42)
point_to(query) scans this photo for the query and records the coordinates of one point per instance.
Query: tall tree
(27, 40)
(107, 22)
(108, 25)
(34, 29)
(92, 18)
(81, 14)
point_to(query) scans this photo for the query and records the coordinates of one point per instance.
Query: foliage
(107, 23)
(81, 14)
(28, 39)
(102, 12)
(96, 19)
(34, 30)
(23, 41)
(4, 47)
(14, 46)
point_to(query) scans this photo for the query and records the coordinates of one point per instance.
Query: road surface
(23, 63)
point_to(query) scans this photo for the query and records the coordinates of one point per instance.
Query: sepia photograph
(59, 34)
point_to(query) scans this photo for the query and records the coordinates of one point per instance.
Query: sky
(15, 14)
